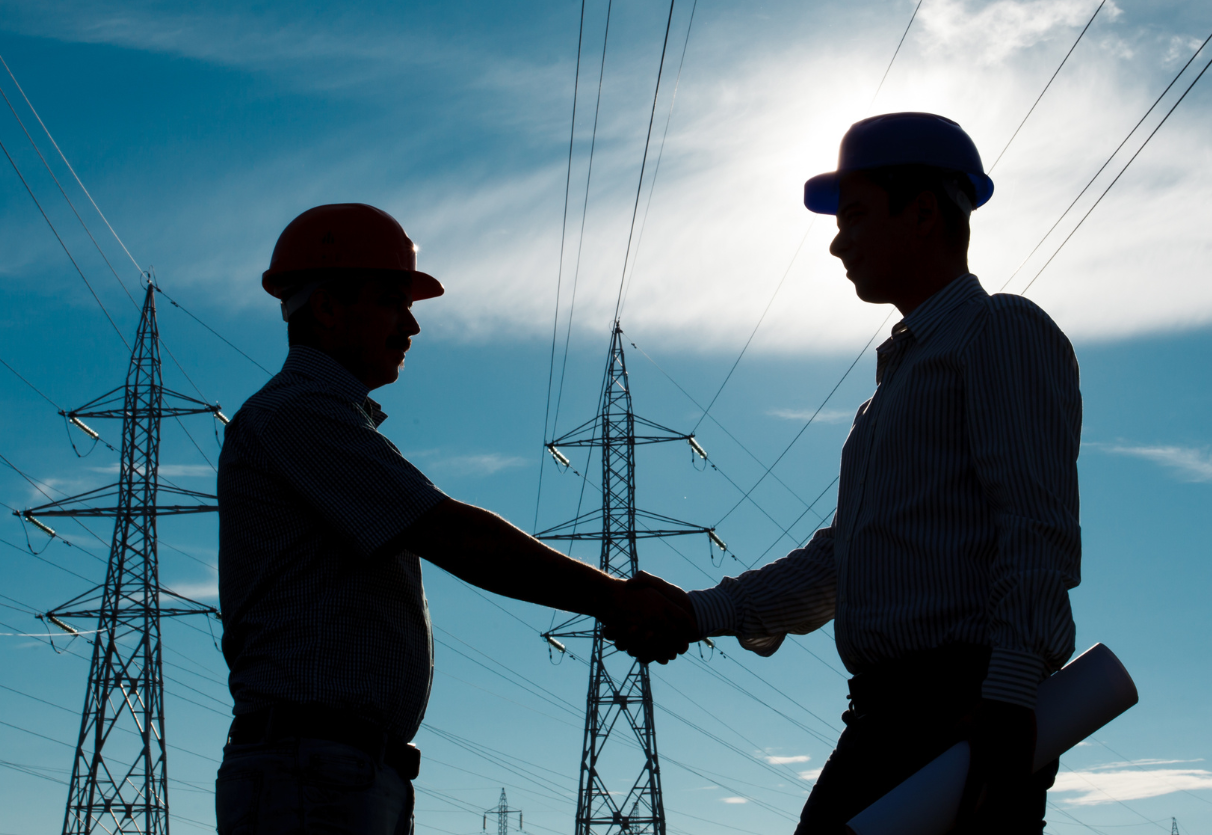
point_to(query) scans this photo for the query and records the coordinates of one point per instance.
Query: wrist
(605, 597)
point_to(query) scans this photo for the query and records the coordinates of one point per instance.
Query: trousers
(307, 787)
(901, 717)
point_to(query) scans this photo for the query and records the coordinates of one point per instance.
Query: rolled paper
(1085, 695)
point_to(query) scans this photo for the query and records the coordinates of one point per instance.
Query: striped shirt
(957, 517)
(320, 604)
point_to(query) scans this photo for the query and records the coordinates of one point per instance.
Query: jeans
(311, 786)
(900, 720)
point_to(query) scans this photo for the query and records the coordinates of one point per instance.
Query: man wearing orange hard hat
(321, 526)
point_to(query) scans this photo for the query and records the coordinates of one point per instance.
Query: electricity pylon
(619, 687)
(120, 774)
(502, 811)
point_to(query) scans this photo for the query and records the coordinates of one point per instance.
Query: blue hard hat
(900, 139)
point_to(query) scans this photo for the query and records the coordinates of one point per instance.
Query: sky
(200, 130)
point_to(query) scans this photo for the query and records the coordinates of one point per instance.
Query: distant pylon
(502, 811)
(1173, 826)
(119, 780)
(620, 694)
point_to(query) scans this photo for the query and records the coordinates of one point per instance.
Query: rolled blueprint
(1089, 692)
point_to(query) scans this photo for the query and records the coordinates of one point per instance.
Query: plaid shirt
(320, 604)
(957, 516)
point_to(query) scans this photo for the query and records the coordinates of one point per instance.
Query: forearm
(485, 550)
(794, 594)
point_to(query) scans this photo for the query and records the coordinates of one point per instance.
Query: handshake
(650, 619)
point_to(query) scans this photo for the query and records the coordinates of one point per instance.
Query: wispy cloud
(1105, 784)
(811, 774)
(750, 125)
(1002, 28)
(204, 590)
(478, 465)
(825, 415)
(169, 470)
(1187, 463)
(777, 760)
(735, 799)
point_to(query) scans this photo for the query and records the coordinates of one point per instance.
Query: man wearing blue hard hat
(956, 540)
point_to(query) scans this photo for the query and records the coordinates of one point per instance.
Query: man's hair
(905, 182)
(344, 285)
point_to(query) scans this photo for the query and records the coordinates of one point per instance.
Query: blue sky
(201, 130)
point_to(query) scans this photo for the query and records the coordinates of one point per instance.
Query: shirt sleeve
(794, 594)
(1024, 414)
(329, 451)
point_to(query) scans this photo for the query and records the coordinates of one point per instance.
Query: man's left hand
(1002, 739)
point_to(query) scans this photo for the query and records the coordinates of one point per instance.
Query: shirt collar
(933, 312)
(319, 366)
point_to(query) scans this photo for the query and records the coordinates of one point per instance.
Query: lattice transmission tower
(620, 789)
(119, 780)
(502, 811)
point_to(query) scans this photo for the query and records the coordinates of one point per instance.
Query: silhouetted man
(948, 562)
(321, 523)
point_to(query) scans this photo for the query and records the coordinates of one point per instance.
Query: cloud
(1002, 28)
(824, 416)
(169, 470)
(735, 799)
(776, 760)
(479, 465)
(1188, 463)
(811, 774)
(1096, 786)
(758, 110)
(204, 590)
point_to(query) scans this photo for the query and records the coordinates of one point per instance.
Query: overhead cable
(1103, 167)
(1046, 86)
(660, 153)
(808, 423)
(555, 324)
(1117, 176)
(96, 298)
(895, 53)
(69, 166)
(59, 185)
(639, 189)
(576, 273)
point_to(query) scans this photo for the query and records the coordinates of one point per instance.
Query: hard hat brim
(423, 285)
(821, 191)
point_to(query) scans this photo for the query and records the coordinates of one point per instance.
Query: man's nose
(838, 245)
(411, 326)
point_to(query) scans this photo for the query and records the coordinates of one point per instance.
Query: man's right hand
(652, 620)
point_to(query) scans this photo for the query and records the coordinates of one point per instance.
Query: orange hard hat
(341, 236)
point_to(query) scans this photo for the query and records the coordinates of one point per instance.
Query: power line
(753, 333)
(895, 53)
(1103, 167)
(635, 209)
(804, 428)
(69, 166)
(660, 152)
(576, 274)
(555, 324)
(1117, 176)
(218, 335)
(1046, 86)
(59, 185)
(96, 298)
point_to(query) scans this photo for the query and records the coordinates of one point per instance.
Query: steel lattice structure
(502, 811)
(119, 780)
(620, 693)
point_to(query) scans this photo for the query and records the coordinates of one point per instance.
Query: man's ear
(324, 308)
(926, 210)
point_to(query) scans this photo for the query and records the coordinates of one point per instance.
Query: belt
(943, 678)
(286, 720)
